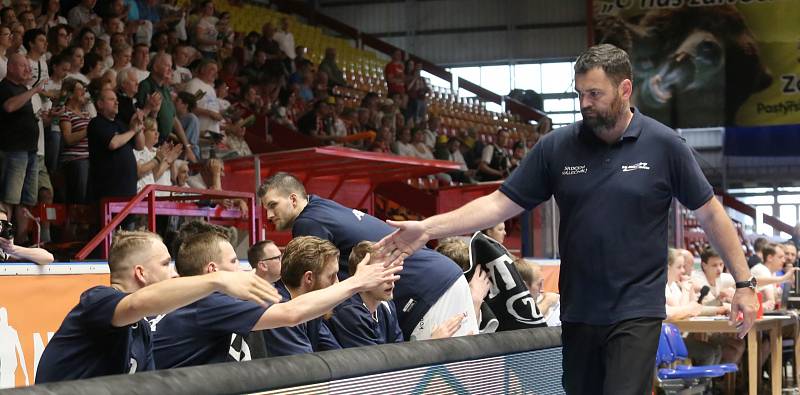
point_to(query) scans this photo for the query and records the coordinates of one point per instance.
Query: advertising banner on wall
(704, 63)
(31, 310)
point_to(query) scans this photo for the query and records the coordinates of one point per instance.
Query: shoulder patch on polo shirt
(636, 166)
(572, 170)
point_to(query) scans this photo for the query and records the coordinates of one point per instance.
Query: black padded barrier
(284, 373)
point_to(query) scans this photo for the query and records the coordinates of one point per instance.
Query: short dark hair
(769, 250)
(759, 244)
(58, 59)
(85, 31)
(189, 99)
(90, 61)
(192, 228)
(30, 36)
(256, 252)
(612, 60)
(5, 10)
(284, 182)
(707, 254)
(68, 87)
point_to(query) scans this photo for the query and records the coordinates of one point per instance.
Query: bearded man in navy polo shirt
(431, 289)
(614, 176)
(106, 332)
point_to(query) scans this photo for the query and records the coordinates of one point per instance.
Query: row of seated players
(193, 321)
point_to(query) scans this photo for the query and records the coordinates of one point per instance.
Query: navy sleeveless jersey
(354, 326)
(307, 337)
(426, 274)
(87, 345)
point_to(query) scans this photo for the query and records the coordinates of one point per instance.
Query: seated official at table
(719, 286)
(766, 275)
(681, 303)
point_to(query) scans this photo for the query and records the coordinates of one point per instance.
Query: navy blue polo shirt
(310, 336)
(426, 274)
(614, 202)
(354, 326)
(87, 345)
(200, 333)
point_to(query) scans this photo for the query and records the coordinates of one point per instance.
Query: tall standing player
(613, 176)
(432, 288)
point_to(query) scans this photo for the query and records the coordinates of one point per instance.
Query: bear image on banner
(509, 297)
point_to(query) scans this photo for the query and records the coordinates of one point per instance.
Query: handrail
(149, 192)
(750, 211)
(384, 47)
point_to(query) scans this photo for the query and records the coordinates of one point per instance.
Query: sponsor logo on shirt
(409, 305)
(358, 214)
(637, 166)
(572, 170)
(153, 321)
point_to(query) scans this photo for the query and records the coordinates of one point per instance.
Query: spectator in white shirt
(208, 107)
(680, 297)
(83, 15)
(140, 60)
(765, 273)
(720, 285)
(75, 54)
(5, 43)
(122, 55)
(403, 146)
(181, 57)
(50, 14)
(35, 42)
(285, 39)
(153, 165)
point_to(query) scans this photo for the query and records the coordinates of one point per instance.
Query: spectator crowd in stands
(104, 97)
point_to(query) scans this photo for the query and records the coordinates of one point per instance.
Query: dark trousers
(617, 359)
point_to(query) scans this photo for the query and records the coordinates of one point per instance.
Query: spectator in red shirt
(395, 73)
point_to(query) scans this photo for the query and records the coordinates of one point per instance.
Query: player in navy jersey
(106, 333)
(309, 264)
(614, 176)
(370, 317)
(201, 332)
(432, 288)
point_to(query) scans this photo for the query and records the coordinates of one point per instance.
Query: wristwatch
(751, 283)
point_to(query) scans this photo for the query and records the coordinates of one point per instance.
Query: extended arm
(723, 238)
(412, 235)
(38, 256)
(314, 304)
(168, 295)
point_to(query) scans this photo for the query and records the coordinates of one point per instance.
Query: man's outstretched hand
(745, 303)
(409, 237)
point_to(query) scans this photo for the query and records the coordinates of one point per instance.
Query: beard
(282, 224)
(603, 121)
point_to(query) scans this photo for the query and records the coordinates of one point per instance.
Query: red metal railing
(146, 202)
